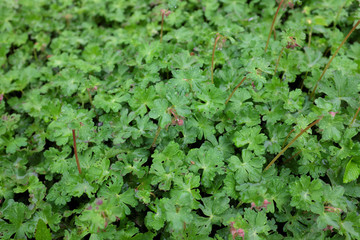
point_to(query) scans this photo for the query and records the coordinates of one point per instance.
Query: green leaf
(42, 232)
(251, 137)
(249, 169)
(304, 192)
(210, 161)
(352, 171)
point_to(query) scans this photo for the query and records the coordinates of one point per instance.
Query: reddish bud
(292, 44)
(180, 122)
(165, 12)
(333, 113)
(241, 232)
(236, 231)
(266, 202)
(328, 227)
(99, 202)
(253, 85)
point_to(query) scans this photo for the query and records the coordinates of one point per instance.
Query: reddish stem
(272, 24)
(357, 112)
(292, 157)
(156, 136)
(75, 150)
(162, 24)
(232, 93)
(328, 64)
(287, 137)
(292, 141)
(213, 55)
(277, 63)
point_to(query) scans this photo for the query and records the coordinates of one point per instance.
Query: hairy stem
(213, 56)
(232, 93)
(272, 24)
(357, 112)
(292, 141)
(277, 62)
(75, 150)
(328, 64)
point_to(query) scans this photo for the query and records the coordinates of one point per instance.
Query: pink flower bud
(333, 113)
(253, 85)
(95, 88)
(253, 205)
(99, 202)
(241, 232)
(180, 122)
(328, 227)
(167, 13)
(266, 202)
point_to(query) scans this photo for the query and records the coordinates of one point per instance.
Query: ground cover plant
(149, 119)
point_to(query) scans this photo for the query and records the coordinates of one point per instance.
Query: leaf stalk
(272, 24)
(328, 64)
(232, 93)
(75, 150)
(213, 56)
(292, 141)
(357, 112)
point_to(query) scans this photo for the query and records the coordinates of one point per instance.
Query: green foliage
(42, 232)
(162, 155)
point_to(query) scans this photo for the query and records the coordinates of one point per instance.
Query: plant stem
(156, 136)
(35, 54)
(162, 24)
(302, 81)
(213, 55)
(232, 93)
(287, 137)
(272, 24)
(328, 64)
(90, 98)
(292, 141)
(277, 62)
(357, 112)
(310, 35)
(75, 150)
(338, 14)
(292, 157)
(274, 34)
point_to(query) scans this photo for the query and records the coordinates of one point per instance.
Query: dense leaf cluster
(162, 155)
